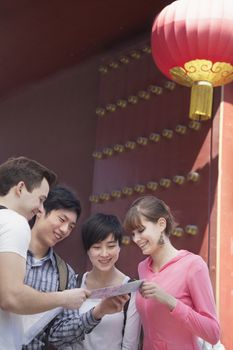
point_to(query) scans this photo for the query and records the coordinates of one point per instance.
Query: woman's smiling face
(147, 236)
(104, 254)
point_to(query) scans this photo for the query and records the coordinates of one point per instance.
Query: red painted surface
(54, 123)
(40, 38)
(226, 220)
(192, 203)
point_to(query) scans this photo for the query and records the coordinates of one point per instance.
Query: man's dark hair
(98, 227)
(61, 197)
(24, 169)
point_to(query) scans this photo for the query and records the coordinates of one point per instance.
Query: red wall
(225, 219)
(192, 203)
(54, 123)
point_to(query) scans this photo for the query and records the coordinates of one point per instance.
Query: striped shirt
(69, 326)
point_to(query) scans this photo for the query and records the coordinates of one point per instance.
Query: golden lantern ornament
(192, 44)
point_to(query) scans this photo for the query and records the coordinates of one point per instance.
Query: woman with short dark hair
(102, 236)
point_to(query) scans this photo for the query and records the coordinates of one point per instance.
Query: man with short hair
(24, 186)
(61, 212)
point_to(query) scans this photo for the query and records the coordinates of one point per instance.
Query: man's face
(54, 227)
(32, 202)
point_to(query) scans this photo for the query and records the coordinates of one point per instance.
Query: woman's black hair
(98, 227)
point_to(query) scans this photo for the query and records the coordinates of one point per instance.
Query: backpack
(63, 274)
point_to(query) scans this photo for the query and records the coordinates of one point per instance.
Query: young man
(61, 212)
(24, 185)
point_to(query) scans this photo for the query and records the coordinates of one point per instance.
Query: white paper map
(115, 290)
(33, 324)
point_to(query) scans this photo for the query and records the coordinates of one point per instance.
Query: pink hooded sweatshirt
(186, 277)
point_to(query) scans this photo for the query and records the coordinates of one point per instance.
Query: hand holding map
(115, 290)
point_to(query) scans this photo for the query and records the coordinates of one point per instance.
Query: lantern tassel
(201, 100)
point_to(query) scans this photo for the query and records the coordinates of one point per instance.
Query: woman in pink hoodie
(176, 301)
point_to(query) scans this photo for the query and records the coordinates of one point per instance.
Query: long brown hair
(150, 208)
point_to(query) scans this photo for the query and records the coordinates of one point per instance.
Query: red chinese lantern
(192, 44)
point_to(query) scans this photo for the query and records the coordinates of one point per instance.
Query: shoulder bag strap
(140, 345)
(79, 279)
(63, 274)
(125, 309)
